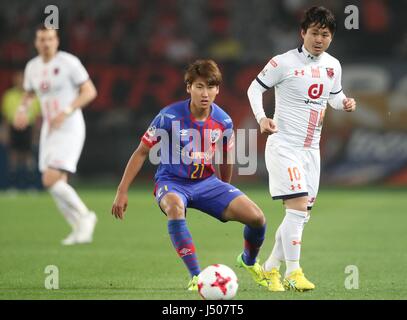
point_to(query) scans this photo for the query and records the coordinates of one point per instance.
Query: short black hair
(320, 16)
(206, 69)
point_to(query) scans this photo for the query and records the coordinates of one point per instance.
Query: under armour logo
(299, 72)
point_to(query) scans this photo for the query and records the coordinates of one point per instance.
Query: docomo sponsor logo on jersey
(207, 149)
(315, 90)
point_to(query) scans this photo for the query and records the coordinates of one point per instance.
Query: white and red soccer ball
(217, 282)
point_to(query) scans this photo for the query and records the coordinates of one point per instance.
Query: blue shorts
(210, 195)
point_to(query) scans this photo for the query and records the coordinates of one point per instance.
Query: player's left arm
(226, 168)
(228, 143)
(87, 93)
(337, 98)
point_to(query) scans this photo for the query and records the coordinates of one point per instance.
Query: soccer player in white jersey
(63, 87)
(305, 80)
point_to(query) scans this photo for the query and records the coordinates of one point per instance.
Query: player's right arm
(132, 169)
(271, 75)
(158, 127)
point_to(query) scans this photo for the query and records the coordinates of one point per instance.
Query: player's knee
(172, 205)
(257, 218)
(299, 204)
(49, 178)
(175, 211)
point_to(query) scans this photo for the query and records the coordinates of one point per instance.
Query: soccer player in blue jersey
(189, 132)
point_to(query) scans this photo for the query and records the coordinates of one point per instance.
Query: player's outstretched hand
(119, 205)
(268, 126)
(349, 104)
(20, 120)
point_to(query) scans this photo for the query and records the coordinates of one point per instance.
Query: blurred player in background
(191, 182)
(305, 80)
(63, 86)
(21, 164)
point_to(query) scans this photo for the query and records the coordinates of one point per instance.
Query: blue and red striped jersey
(187, 146)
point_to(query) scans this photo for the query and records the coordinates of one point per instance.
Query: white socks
(291, 266)
(288, 241)
(277, 255)
(70, 215)
(291, 234)
(68, 202)
(306, 219)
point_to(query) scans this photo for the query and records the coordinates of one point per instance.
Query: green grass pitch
(134, 258)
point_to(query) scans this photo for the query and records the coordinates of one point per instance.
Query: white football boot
(86, 227)
(70, 239)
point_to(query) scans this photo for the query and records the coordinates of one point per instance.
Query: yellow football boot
(274, 280)
(256, 271)
(297, 281)
(193, 284)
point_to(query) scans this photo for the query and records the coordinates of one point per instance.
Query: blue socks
(254, 238)
(182, 240)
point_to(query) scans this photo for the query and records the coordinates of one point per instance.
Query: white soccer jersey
(56, 83)
(303, 85)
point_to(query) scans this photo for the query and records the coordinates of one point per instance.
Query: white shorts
(292, 172)
(61, 149)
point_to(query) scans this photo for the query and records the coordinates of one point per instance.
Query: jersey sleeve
(161, 122)
(78, 72)
(336, 96)
(228, 135)
(272, 73)
(27, 85)
(337, 87)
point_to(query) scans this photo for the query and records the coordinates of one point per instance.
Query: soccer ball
(217, 282)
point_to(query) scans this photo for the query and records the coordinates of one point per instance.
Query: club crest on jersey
(330, 72)
(56, 71)
(215, 135)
